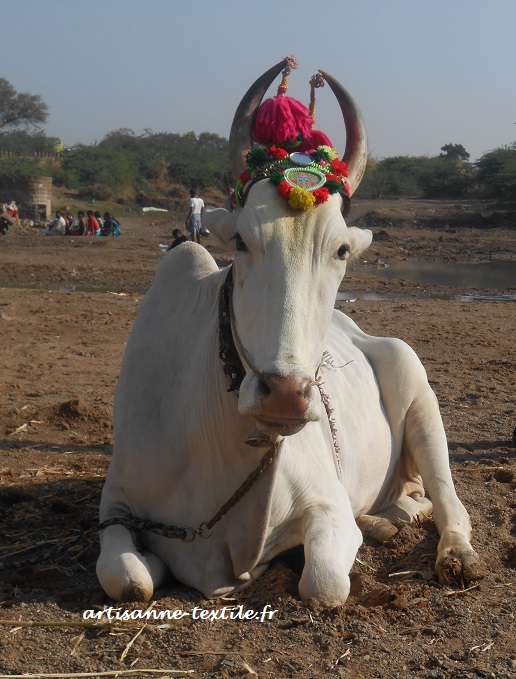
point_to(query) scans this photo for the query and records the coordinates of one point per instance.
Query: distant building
(33, 196)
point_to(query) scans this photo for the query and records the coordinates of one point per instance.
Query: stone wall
(40, 197)
(33, 197)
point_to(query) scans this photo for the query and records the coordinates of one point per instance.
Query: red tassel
(315, 139)
(281, 121)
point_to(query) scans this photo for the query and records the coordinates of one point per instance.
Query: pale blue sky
(425, 73)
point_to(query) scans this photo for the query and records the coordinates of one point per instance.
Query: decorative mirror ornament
(303, 184)
(300, 158)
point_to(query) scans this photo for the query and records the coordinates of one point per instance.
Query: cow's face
(288, 267)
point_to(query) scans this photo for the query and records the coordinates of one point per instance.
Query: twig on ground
(249, 669)
(461, 592)
(76, 675)
(363, 563)
(505, 584)
(78, 642)
(401, 574)
(70, 623)
(484, 468)
(128, 647)
(189, 653)
(22, 427)
(43, 543)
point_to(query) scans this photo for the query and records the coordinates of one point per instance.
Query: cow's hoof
(459, 567)
(376, 527)
(135, 592)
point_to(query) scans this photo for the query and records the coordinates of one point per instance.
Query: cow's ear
(359, 240)
(221, 223)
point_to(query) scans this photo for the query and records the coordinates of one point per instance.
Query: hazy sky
(425, 73)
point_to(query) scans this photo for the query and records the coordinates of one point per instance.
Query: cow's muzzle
(284, 398)
(280, 404)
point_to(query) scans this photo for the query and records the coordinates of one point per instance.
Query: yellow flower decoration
(299, 199)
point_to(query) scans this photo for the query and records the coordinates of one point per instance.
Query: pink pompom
(315, 139)
(281, 120)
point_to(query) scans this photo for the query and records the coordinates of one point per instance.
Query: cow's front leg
(425, 441)
(331, 543)
(125, 573)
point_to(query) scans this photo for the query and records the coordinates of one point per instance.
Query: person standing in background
(193, 221)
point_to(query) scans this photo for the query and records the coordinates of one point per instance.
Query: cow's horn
(355, 154)
(240, 137)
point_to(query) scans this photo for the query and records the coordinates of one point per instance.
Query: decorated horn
(355, 154)
(240, 137)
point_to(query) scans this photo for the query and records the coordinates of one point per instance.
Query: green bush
(497, 174)
(100, 192)
(12, 170)
(93, 165)
(417, 177)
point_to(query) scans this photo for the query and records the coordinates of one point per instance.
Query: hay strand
(79, 675)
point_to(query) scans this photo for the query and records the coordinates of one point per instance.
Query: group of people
(92, 223)
(84, 224)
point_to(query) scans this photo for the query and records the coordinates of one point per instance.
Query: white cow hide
(180, 448)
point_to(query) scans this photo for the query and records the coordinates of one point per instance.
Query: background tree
(454, 152)
(25, 142)
(18, 109)
(497, 174)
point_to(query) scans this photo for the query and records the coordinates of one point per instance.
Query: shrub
(100, 192)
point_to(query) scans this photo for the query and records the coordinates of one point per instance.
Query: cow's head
(288, 266)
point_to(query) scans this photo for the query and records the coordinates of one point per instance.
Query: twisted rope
(187, 533)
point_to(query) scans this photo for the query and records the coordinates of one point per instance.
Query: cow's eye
(239, 243)
(343, 252)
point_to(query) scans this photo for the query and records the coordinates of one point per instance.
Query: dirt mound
(73, 410)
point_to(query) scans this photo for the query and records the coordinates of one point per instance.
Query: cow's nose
(285, 398)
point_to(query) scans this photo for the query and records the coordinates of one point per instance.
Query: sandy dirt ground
(66, 308)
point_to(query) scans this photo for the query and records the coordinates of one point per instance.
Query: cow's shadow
(49, 543)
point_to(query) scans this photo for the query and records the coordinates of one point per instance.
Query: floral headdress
(297, 159)
(303, 179)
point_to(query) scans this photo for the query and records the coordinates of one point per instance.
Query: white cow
(181, 439)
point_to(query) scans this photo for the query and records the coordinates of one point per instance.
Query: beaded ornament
(303, 179)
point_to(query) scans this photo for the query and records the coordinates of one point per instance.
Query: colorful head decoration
(276, 140)
(299, 160)
(283, 121)
(303, 179)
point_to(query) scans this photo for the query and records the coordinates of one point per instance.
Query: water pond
(485, 275)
